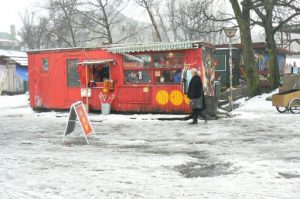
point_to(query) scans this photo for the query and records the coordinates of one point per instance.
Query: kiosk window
(72, 75)
(167, 67)
(100, 72)
(133, 76)
(167, 76)
(137, 68)
(45, 64)
(141, 61)
(168, 60)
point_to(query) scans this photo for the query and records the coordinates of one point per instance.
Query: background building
(13, 64)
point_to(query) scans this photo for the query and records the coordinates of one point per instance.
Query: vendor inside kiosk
(94, 74)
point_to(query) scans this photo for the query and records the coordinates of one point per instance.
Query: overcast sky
(9, 13)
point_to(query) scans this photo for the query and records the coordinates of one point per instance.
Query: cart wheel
(294, 106)
(281, 109)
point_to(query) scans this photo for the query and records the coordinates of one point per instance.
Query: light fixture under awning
(92, 62)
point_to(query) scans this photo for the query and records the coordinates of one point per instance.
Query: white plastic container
(105, 108)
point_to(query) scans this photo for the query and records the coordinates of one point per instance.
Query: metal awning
(156, 47)
(92, 62)
(133, 57)
(15, 56)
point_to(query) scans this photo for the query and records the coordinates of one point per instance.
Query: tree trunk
(273, 62)
(152, 21)
(163, 26)
(252, 75)
(106, 22)
(243, 19)
(69, 23)
(271, 49)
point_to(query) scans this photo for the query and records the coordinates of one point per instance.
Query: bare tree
(273, 15)
(188, 20)
(102, 15)
(132, 31)
(63, 16)
(148, 5)
(27, 32)
(31, 34)
(171, 16)
(191, 19)
(162, 22)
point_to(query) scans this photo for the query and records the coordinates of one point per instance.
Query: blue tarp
(22, 72)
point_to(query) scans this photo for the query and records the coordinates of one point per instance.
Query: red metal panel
(135, 94)
(136, 98)
(95, 100)
(55, 94)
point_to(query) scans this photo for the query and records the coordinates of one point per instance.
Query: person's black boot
(195, 120)
(206, 118)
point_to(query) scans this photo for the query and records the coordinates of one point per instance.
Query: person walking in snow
(196, 95)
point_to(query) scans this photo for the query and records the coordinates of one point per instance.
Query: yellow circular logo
(162, 97)
(176, 98)
(186, 100)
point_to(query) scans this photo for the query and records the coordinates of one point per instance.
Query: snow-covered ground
(254, 154)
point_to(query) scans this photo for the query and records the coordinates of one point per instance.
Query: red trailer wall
(157, 97)
(49, 89)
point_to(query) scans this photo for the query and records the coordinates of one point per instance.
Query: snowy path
(255, 154)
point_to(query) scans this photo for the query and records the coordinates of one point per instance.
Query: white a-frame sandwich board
(77, 110)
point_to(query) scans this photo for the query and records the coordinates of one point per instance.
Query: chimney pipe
(13, 31)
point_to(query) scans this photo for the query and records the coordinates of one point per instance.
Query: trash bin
(217, 88)
(105, 108)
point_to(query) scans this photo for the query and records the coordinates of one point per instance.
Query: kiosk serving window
(92, 72)
(137, 68)
(99, 72)
(167, 76)
(167, 67)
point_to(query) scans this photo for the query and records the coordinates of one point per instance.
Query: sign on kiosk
(77, 110)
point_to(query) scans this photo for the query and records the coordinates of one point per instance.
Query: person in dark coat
(196, 95)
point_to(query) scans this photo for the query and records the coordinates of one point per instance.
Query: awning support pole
(87, 89)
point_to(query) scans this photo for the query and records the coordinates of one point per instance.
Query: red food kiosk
(132, 78)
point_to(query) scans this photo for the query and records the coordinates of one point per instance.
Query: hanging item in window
(140, 75)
